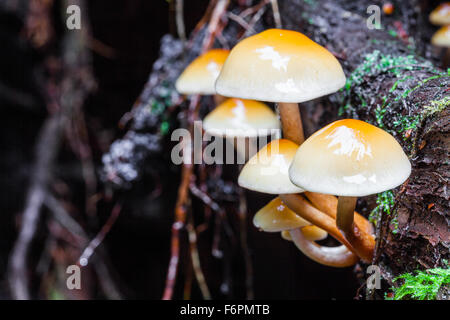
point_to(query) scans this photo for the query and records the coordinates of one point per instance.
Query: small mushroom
(234, 116)
(201, 74)
(442, 39)
(441, 15)
(276, 217)
(267, 172)
(350, 158)
(241, 119)
(281, 66)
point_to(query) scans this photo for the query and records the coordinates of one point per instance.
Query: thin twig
(61, 215)
(253, 9)
(48, 145)
(276, 14)
(241, 22)
(244, 245)
(181, 206)
(94, 243)
(255, 19)
(179, 18)
(213, 26)
(195, 258)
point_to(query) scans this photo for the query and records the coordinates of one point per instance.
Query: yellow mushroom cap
(238, 117)
(199, 76)
(268, 170)
(276, 217)
(349, 158)
(279, 66)
(442, 37)
(441, 15)
(312, 233)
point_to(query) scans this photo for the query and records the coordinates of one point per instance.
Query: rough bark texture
(389, 85)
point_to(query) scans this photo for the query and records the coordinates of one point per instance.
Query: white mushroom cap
(199, 76)
(268, 170)
(349, 158)
(442, 37)
(279, 66)
(441, 15)
(241, 118)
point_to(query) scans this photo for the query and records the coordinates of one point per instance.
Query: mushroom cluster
(441, 17)
(348, 158)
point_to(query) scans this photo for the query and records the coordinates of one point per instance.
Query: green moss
(164, 128)
(385, 203)
(373, 65)
(421, 285)
(435, 106)
(161, 100)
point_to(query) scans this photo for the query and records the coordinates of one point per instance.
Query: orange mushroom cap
(441, 15)
(199, 76)
(349, 158)
(279, 66)
(237, 117)
(268, 170)
(442, 37)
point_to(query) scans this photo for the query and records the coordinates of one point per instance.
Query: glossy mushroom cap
(442, 37)
(279, 66)
(241, 118)
(276, 217)
(199, 77)
(349, 158)
(268, 170)
(441, 15)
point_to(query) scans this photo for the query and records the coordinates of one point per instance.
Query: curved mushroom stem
(330, 256)
(363, 243)
(301, 206)
(291, 121)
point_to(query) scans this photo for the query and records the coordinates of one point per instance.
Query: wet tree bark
(389, 85)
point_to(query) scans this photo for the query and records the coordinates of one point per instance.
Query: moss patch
(421, 285)
(385, 203)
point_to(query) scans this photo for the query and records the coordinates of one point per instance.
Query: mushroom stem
(291, 122)
(301, 206)
(344, 218)
(328, 204)
(446, 60)
(330, 256)
(218, 99)
(362, 243)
